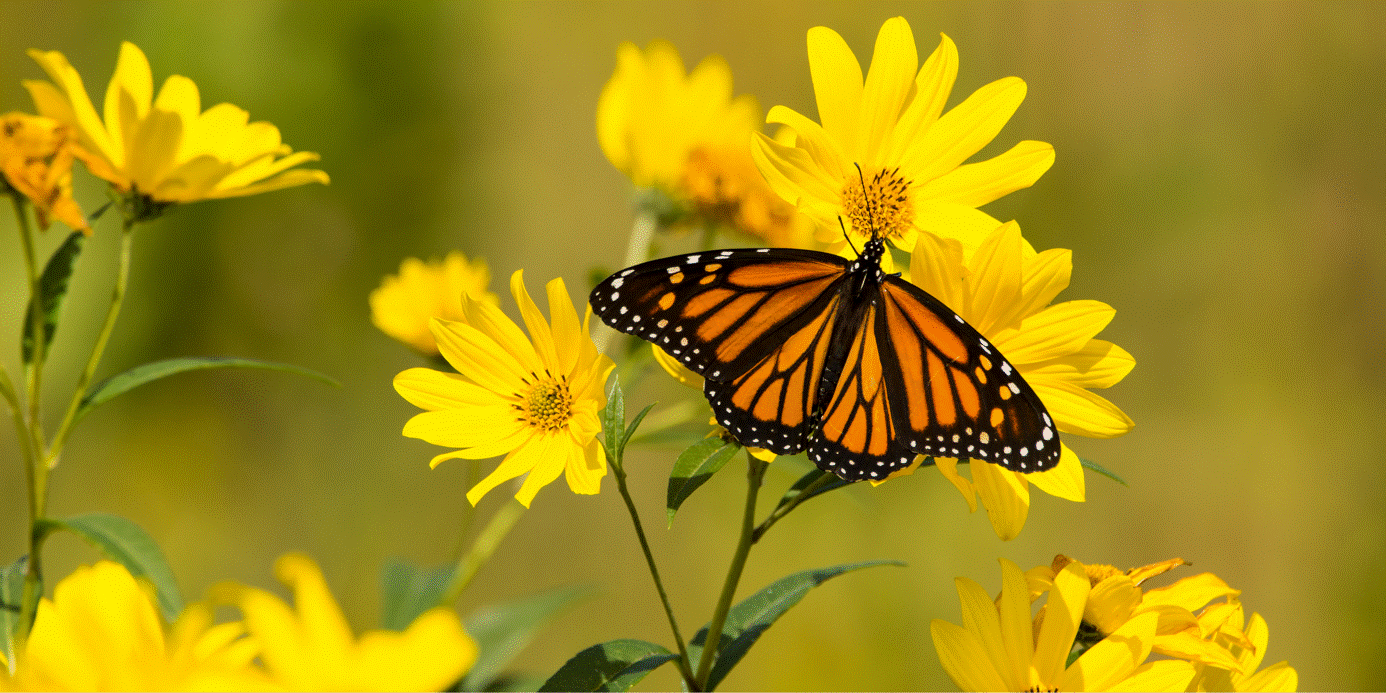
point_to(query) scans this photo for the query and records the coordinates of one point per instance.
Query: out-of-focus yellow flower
(681, 373)
(167, 147)
(36, 155)
(310, 647)
(1004, 292)
(533, 400)
(101, 632)
(882, 157)
(1000, 647)
(404, 304)
(686, 135)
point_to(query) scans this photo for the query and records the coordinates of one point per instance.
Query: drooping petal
(552, 452)
(585, 468)
(75, 104)
(964, 658)
(985, 181)
(888, 83)
(837, 86)
(1065, 480)
(1005, 496)
(520, 460)
(948, 466)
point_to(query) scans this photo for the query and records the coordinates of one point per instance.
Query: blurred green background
(1220, 176)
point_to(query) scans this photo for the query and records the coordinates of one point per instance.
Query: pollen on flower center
(547, 405)
(882, 205)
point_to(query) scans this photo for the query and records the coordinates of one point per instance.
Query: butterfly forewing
(959, 396)
(720, 312)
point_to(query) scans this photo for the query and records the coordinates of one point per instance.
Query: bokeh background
(1220, 177)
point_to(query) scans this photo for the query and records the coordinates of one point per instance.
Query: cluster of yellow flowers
(102, 632)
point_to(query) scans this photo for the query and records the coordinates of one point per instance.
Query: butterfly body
(803, 350)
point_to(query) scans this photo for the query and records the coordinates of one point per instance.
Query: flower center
(548, 405)
(881, 207)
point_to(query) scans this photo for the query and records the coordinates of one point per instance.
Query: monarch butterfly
(801, 349)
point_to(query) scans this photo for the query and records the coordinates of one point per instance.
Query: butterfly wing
(756, 324)
(955, 394)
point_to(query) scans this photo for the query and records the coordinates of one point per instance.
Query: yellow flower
(681, 373)
(999, 647)
(1224, 623)
(36, 155)
(1004, 291)
(687, 136)
(533, 400)
(167, 147)
(310, 646)
(882, 156)
(403, 305)
(101, 632)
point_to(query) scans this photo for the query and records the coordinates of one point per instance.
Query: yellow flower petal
(1065, 480)
(539, 332)
(965, 129)
(823, 152)
(949, 467)
(791, 172)
(1191, 593)
(888, 83)
(1017, 633)
(437, 649)
(564, 319)
(981, 620)
(931, 88)
(1163, 675)
(1059, 330)
(1099, 364)
(1189, 646)
(1112, 659)
(478, 357)
(1062, 613)
(837, 86)
(964, 658)
(1081, 412)
(1276, 677)
(995, 273)
(1005, 496)
(473, 426)
(549, 459)
(585, 469)
(1046, 274)
(976, 184)
(432, 390)
(519, 461)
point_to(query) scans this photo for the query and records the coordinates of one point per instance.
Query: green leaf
(833, 483)
(1103, 471)
(11, 596)
(139, 375)
(694, 467)
(749, 619)
(502, 631)
(614, 419)
(634, 424)
(610, 666)
(125, 543)
(407, 590)
(52, 290)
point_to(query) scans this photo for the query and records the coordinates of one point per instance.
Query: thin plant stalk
(637, 248)
(783, 510)
(755, 473)
(685, 666)
(482, 549)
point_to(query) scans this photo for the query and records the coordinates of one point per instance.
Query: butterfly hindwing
(720, 312)
(957, 395)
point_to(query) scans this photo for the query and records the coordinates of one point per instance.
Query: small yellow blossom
(166, 147)
(1224, 624)
(686, 135)
(1000, 647)
(102, 632)
(881, 157)
(36, 155)
(1003, 290)
(310, 646)
(404, 304)
(533, 400)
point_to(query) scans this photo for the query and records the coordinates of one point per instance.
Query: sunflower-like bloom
(102, 632)
(404, 304)
(1004, 290)
(686, 135)
(533, 400)
(1190, 625)
(166, 147)
(36, 155)
(310, 646)
(882, 158)
(1000, 648)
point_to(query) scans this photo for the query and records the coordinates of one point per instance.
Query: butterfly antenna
(866, 199)
(847, 236)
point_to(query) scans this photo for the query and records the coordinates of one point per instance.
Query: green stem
(637, 249)
(127, 238)
(685, 666)
(482, 549)
(755, 472)
(33, 369)
(783, 510)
